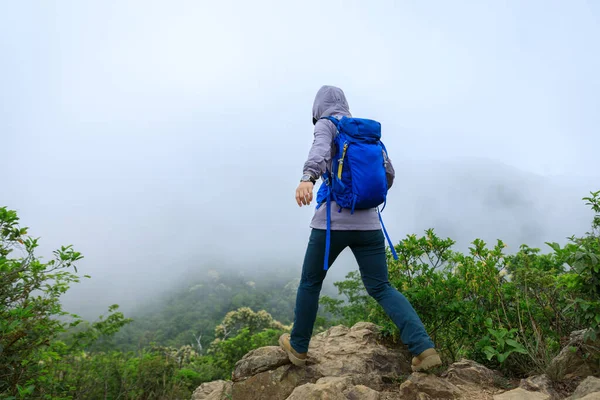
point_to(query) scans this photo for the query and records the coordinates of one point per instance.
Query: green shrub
(506, 311)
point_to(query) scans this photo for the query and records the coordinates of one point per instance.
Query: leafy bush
(30, 309)
(583, 256)
(227, 352)
(506, 311)
(31, 316)
(43, 355)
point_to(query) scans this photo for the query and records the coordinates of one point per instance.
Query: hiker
(334, 227)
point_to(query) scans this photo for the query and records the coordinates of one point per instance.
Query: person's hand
(304, 193)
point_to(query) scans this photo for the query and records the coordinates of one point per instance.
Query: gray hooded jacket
(331, 101)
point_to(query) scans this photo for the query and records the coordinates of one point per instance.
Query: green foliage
(227, 352)
(30, 309)
(507, 311)
(500, 343)
(45, 352)
(99, 332)
(245, 318)
(189, 314)
(156, 372)
(151, 374)
(582, 254)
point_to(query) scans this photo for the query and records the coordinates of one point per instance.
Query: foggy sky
(163, 137)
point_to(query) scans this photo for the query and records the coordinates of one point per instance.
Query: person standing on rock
(335, 227)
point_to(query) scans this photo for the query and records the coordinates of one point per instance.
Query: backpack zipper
(341, 161)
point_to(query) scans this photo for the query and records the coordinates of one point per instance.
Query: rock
(360, 392)
(326, 388)
(343, 351)
(216, 390)
(424, 386)
(275, 384)
(475, 381)
(569, 364)
(589, 387)
(354, 352)
(340, 388)
(521, 394)
(467, 372)
(592, 396)
(354, 364)
(540, 383)
(259, 360)
(372, 381)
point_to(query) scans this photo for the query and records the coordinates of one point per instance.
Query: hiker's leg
(369, 249)
(307, 298)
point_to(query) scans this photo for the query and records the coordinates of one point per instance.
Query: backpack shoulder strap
(335, 121)
(394, 254)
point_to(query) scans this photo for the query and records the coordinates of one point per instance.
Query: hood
(330, 100)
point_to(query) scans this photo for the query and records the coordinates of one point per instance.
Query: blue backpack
(358, 180)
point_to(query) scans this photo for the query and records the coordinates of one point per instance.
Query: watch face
(305, 178)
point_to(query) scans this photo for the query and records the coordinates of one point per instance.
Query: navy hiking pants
(369, 249)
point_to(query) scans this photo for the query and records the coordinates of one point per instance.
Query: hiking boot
(426, 360)
(298, 359)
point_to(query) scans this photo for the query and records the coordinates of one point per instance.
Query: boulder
(592, 396)
(340, 388)
(358, 350)
(259, 360)
(360, 392)
(588, 389)
(275, 384)
(540, 383)
(467, 372)
(521, 394)
(216, 390)
(578, 359)
(423, 386)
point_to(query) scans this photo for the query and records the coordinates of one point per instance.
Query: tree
(244, 317)
(240, 331)
(582, 255)
(31, 315)
(30, 310)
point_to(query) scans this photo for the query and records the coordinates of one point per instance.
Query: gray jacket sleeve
(319, 156)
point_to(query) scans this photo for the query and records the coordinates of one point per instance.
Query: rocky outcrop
(216, 390)
(355, 364)
(589, 389)
(355, 352)
(521, 394)
(259, 360)
(342, 388)
(469, 373)
(421, 385)
(580, 358)
(464, 379)
(542, 384)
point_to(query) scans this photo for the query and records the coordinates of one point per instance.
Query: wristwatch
(308, 178)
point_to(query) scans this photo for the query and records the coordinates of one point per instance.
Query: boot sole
(295, 360)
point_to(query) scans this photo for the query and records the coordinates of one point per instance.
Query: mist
(162, 139)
